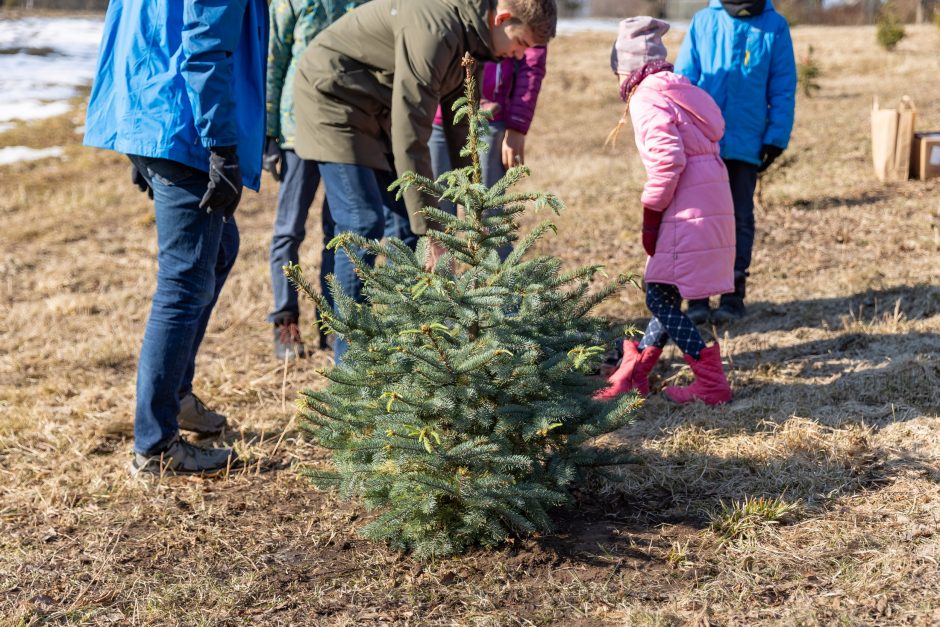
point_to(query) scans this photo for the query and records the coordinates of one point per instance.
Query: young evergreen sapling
(463, 409)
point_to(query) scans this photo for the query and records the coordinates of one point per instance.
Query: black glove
(225, 182)
(273, 160)
(138, 179)
(768, 154)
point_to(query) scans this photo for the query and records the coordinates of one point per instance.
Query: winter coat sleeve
(687, 62)
(211, 32)
(781, 90)
(420, 62)
(280, 50)
(528, 81)
(660, 147)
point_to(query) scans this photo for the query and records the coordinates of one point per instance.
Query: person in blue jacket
(740, 52)
(180, 89)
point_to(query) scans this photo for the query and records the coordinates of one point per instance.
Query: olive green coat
(368, 86)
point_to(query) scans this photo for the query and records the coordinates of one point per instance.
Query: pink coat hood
(697, 103)
(677, 128)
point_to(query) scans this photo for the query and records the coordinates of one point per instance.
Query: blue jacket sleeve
(211, 31)
(687, 61)
(781, 90)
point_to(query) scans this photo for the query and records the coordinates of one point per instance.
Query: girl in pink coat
(688, 214)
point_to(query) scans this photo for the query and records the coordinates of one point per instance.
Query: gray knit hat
(639, 41)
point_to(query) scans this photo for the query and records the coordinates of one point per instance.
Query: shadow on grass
(908, 302)
(904, 302)
(676, 494)
(830, 202)
(801, 430)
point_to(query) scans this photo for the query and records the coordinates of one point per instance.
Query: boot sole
(149, 471)
(204, 434)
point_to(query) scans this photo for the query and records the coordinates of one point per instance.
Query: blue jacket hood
(713, 4)
(747, 66)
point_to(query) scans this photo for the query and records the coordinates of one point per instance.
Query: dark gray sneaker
(730, 310)
(287, 342)
(698, 311)
(196, 417)
(183, 458)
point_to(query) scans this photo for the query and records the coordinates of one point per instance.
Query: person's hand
(225, 182)
(273, 160)
(651, 222)
(489, 105)
(768, 154)
(436, 250)
(137, 178)
(513, 148)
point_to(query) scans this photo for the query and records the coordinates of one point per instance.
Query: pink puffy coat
(677, 128)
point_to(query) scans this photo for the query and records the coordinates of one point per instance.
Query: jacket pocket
(164, 171)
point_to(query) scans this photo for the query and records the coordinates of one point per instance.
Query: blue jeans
(195, 253)
(298, 187)
(491, 163)
(743, 179)
(361, 203)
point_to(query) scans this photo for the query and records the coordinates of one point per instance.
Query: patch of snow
(5, 126)
(572, 25)
(568, 26)
(12, 154)
(32, 109)
(43, 62)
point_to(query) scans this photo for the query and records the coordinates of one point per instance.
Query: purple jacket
(514, 86)
(677, 128)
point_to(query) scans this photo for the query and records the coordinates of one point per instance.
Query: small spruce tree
(807, 71)
(890, 29)
(463, 410)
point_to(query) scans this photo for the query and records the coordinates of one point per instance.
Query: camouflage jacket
(294, 24)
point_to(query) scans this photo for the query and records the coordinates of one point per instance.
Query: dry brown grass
(836, 378)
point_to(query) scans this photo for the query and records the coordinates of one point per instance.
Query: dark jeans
(743, 179)
(195, 252)
(669, 321)
(298, 187)
(361, 203)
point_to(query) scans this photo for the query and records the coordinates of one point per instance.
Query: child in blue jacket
(740, 52)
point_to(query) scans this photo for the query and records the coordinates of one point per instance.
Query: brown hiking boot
(183, 458)
(287, 342)
(196, 417)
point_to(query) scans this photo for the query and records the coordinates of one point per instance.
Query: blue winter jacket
(176, 77)
(747, 66)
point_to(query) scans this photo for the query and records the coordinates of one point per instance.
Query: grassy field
(813, 498)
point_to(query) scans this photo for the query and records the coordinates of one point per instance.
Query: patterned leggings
(669, 321)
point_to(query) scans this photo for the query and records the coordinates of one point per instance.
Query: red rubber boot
(710, 385)
(633, 373)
